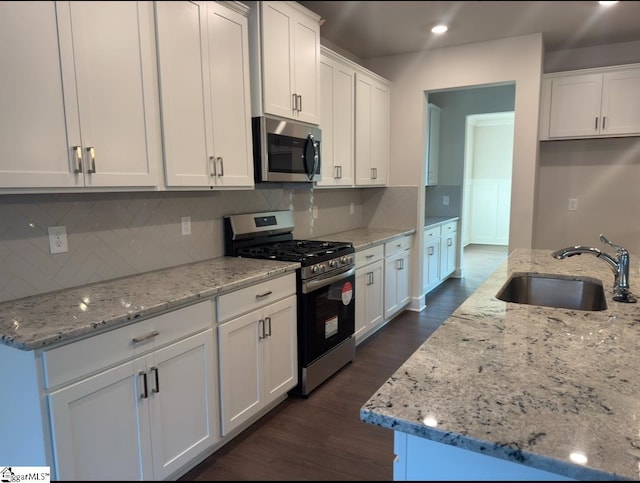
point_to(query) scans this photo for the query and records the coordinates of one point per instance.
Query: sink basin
(561, 291)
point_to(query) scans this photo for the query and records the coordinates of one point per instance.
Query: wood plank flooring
(322, 437)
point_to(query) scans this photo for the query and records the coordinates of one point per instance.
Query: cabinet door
(375, 295)
(371, 131)
(100, 427)
(363, 278)
(306, 67)
(448, 255)
(183, 401)
(336, 121)
(277, 58)
(228, 54)
(433, 145)
(34, 150)
(397, 277)
(575, 106)
(431, 268)
(114, 58)
(240, 366)
(280, 348)
(620, 101)
(185, 98)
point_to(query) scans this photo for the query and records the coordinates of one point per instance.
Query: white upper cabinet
(432, 161)
(337, 81)
(285, 51)
(79, 95)
(372, 129)
(591, 103)
(203, 56)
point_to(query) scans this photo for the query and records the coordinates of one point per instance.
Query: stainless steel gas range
(325, 289)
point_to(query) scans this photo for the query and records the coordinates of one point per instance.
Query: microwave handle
(316, 157)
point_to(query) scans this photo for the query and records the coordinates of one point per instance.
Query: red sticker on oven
(347, 293)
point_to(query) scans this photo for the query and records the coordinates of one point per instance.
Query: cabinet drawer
(250, 298)
(369, 255)
(430, 233)
(93, 354)
(450, 227)
(398, 245)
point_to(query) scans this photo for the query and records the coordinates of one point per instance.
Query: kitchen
(125, 233)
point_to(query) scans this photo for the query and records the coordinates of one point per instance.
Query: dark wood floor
(322, 437)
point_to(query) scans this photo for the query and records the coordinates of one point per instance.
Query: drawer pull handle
(370, 256)
(157, 380)
(148, 336)
(263, 295)
(145, 394)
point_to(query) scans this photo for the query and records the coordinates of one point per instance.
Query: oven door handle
(311, 285)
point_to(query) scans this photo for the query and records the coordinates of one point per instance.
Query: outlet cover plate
(58, 239)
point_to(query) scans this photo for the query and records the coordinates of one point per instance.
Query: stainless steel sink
(561, 291)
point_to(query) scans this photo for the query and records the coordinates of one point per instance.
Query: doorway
(488, 159)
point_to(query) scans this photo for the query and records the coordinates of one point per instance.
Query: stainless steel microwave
(286, 151)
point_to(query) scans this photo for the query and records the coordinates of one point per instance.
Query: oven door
(326, 313)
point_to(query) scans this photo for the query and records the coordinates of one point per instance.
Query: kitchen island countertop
(39, 321)
(524, 383)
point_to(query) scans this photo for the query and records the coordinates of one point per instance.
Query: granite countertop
(431, 221)
(62, 316)
(363, 238)
(527, 383)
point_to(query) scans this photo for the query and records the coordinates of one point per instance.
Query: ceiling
(372, 29)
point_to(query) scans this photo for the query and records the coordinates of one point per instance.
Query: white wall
(518, 60)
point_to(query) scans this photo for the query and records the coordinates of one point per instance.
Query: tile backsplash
(113, 235)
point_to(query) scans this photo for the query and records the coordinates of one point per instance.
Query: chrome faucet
(620, 267)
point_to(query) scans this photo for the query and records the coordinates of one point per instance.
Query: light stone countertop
(432, 221)
(526, 383)
(363, 238)
(62, 316)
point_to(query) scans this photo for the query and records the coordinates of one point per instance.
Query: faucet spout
(619, 265)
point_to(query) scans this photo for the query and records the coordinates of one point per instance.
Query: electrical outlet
(186, 225)
(351, 208)
(573, 204)
(445, 200)
(58, 239)
(314, 211)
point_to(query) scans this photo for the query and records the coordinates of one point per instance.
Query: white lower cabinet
(448, 248)
(258, 351)
(431, 259)
(145, 418)
(397, 275)
(369, 291)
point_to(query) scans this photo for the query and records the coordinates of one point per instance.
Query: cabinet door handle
(449, 242)
(145, 394)
(294, 101)
(78, 151)
(148, 336)
(430, 251)
(300, 103)
(221, 161)
(596, 124)
(261, 334)
(157, 380)
(212, 166)
(91, 151)
(604, 122)
(267, 320)
(263, 295)
(340, 172)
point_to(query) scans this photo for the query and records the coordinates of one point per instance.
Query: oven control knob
(343, 260)
(333, 264)
(350, 259)
(314, 269)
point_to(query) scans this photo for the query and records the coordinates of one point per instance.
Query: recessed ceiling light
(607, 4)
(439, 29)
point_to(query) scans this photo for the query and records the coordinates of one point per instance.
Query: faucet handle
(619, 250)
